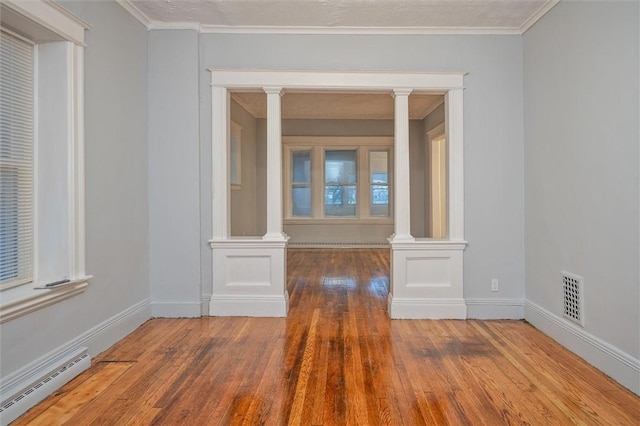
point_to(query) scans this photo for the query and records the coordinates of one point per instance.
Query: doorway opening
(249, 273)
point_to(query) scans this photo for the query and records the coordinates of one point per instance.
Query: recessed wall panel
(244, 271)
(428, 271)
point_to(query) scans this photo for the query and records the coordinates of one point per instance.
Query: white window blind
(16, 160)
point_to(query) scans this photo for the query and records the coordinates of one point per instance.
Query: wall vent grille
(572, 288)
(14, 407)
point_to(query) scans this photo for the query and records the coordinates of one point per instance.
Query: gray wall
(116, 194)
(494, 146)
(430, 122)
(243, 199)
(174, 173)
(581, 148)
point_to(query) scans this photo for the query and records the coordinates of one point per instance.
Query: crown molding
(225, 29)
(537, 15)
(135, 12)
(150, 24)
(245, 106)
(432, 108)
(158, 25)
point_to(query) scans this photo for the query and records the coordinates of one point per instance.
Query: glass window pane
(340, 166)
(301, 197)
(379, 174)
(379, 194)
(379, 200)
(301, 164)
(340, 200)
(379, 166)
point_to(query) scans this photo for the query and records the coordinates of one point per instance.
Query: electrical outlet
(494, 284)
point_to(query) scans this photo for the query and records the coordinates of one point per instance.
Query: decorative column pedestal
(249, 274)
(426, 274)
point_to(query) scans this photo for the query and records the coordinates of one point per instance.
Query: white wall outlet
(494, 284)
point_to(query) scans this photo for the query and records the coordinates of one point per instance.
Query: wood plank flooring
(337, 360)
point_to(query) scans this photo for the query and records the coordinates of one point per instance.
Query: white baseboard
(205, 301)
(489, 309)
(176, 309)
(619, 365)
(249, 306)
(417, 308)
(94, 340)
(71, 365)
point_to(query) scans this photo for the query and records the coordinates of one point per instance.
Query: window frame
(363, 145)
(58, 36)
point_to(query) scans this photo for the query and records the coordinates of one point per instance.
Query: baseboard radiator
(317, 244)
(18, 404)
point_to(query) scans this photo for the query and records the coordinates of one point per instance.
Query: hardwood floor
(337, 359)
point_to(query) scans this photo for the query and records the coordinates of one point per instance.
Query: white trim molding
(93, 341)
(176, 309)
(29, 298)
(68, 367)
(550, 4)
(249, 276)
(427, 280)
(438, 82)
(52, 17)
(59, 218)
(249, 305)
(614, 362)
(426, 308)
(317, 30)
(135, 12)
(494, 309)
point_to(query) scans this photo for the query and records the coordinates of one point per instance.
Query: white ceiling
(440, 16)
(338, 105)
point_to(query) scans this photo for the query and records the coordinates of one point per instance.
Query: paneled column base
(426, 280)
(422, 308)
(249, 277)
(249, 305)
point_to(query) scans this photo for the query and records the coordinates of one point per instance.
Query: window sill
(24, 299)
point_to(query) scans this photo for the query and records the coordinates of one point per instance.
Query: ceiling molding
(433, 107)
(223, 29)
(159, 25)
(135, 12)
(244, 105)
(150, 24)
(537, 15)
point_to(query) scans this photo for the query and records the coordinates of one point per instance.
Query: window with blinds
(16, 160)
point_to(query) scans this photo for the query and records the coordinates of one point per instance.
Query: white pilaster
(454, 123)
(274, 165)
(219, 162)
(402, 207)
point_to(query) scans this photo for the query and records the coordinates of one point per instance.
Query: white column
(274, 165)
(219, 162)
(402, 205)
